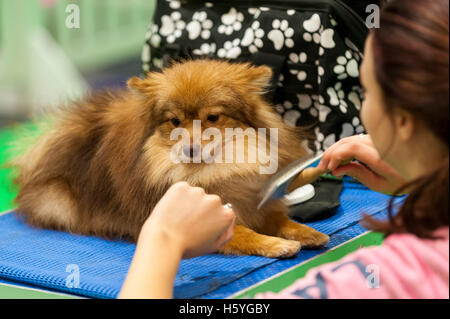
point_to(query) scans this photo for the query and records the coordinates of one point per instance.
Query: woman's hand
(185, 223)
(370, 169)
(190, 219)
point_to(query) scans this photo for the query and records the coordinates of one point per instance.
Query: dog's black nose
(191, 150)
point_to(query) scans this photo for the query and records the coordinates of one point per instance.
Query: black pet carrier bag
(314, 48)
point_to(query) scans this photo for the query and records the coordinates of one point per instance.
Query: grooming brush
(293, 176)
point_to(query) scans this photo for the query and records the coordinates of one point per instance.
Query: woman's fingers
(360, 173)
(356, 156)
(328, 155)
(352, 151)
(192, 219)
(357, 151)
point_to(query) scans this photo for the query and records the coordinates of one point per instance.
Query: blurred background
(53, 51)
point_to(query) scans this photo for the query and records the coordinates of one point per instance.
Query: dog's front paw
(314, 239)
(247, 242)
(307, 236)
(274, 247)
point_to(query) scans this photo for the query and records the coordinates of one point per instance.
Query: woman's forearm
(185, 223)
(153, 269)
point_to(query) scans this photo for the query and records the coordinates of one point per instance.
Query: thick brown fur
(106, 162)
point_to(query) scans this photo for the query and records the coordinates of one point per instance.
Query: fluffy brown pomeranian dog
(108, 159)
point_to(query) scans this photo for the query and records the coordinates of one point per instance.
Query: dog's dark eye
(175, 121)
(213, 118)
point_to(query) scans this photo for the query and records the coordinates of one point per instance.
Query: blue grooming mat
(273, 269)
(48, 259)
(342, 227)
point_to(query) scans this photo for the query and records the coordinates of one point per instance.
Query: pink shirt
(405, 266)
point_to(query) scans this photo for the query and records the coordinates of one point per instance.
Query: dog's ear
(258, 78)
(147, 85)
(136, 84)
(139, 85)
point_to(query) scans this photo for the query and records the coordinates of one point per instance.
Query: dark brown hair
(411, 58)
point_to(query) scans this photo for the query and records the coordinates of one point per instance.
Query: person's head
(406, 110)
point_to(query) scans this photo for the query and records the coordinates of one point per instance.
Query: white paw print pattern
(154, 40)
(280, 80)
(172, 26)
(320, 72)
(319, 110)
(158, 63)
(333, 21)
(282, 108)
(290, 116)
(200, 26)
(232, 21)
(298, 58)
(174, 4)
(322, 142)
(291, 12)
(301, 75)
(206, 49)
(146, 57)
(315, 104)
(281, 35)
(337, 96)
(316, 33)
(153, 36)
(231, 50)
(312, 26)
(356, 96)
(356, 53)
(253, 37)
(347, 65)
(350, 129)
(256, 12)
